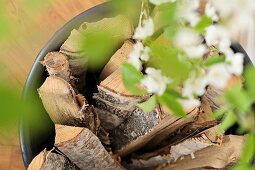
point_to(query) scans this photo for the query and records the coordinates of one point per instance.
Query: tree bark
(174, 152)
(213, 157)
(84, 149)
(51, 160)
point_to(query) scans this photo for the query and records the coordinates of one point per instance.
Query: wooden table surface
(18, 54)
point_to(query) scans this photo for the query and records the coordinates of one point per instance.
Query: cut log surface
(213, 157)
(84, 149)
(51, 161)
(57, 65)
(60, 101)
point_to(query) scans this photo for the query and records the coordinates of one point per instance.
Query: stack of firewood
(109, 131)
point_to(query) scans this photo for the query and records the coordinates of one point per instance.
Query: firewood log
(174, 152)
(203, 121)
(51, 160)
(57, 64)
(130, 127)
(119, 27)
(64, 106)
(84, 149)
(212, 157)
(117, 59)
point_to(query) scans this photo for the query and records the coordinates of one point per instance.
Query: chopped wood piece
(174, 152)
(119, 27)
(114, 104)
(117, 59)
(84, 149)
(51, 160)
(212, 157)
(132, 136)
(60, 101)
(57, 65)
(203, 121)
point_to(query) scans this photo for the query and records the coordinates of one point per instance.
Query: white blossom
(235, 63)
(189, 103)
(138, 53)
(159, 2)
(218, 76)
(194, 85)
(218, 36)
(211, 12)
(188, 10)
(145, 30)
(155, 82)
(196, 51)
(191, 43)
(136, 62)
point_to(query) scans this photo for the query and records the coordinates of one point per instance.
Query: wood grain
(29, 33)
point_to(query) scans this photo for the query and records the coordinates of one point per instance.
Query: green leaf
(149, 105)
(238, 98)
(172, 104)
(170, 32)
(243, 167)
(249, 149)
(249, 75)
(166, 59)
(165, 15)
(131, 78)
(204, 23)
(219, 113)
(214, 60)
(228, 121)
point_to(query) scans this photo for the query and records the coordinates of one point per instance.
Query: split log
(120, 28)
(64, 106)
(135, 132)
(114, 104)
(51, 160)
(84, 149)
(172, 153)
(213, 157)
(203, 121)
(117, 59)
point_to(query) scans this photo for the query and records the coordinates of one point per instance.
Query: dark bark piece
(213, 157)
(84, 149)
(51, 160)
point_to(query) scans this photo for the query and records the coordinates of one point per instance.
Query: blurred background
(25, 26)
